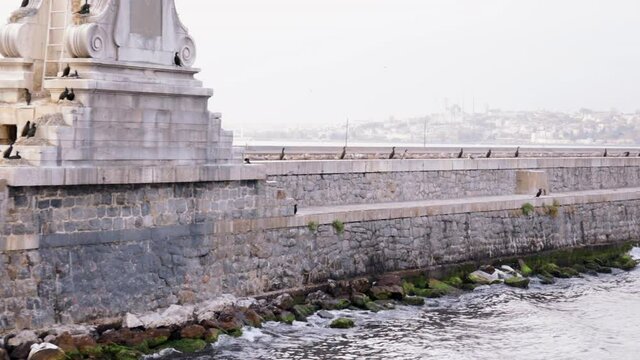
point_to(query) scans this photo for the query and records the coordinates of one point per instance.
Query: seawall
(85, 244)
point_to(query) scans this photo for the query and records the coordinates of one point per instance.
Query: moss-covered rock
(519, 282)
(386, 304)
(413, 300)
(212, 335)
(373, 307)
(525, 269)
(186, 346)
(287, 317)
(479, 278)
(546, 279)
(387, 292)
(342, 323)
(409, 288)
(302, 311)
(360, 300)
(455, 281)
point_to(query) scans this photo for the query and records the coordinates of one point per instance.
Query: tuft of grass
(527, 209)
(313, 226)
(338, 226)
(552, 210)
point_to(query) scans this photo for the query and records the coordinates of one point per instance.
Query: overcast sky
(294, 62)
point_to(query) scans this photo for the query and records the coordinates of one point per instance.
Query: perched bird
(404, 154)
(247, 161)
(344, 153)
(32, 131)
(85, 9)
(7, 153)
(461, 153)
(66, 71)
(25, 129)
(16, 156)
(539, 193)
(393, 153)
(71, 96)
(517, 152)
(295, 209)
(176, 60)
(24, 3)
(63, 95)
(27, 96)
(75, 74)
(627, 154)
(489, 154)
(471, 157)
(605, 153)
(282, 154)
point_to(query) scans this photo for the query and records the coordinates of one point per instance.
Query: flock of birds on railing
(461, 155)
(84, 10)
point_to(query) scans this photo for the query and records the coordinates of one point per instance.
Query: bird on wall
(176, 60)
(627, 154)
(27, 96)
(247, 161)
(16, 156)
(7, 153)
(25, 3)
(295, 209)
(517, 152)
(85, 9)
(393, 153)
(32, 131)
(75, 74)
(25, 129)
(461, 153)
(344, 153)
(63, 95)
(605, 153)
(489, 154)
(539, 193)
(71, 96)
(404, 154)
(282, 154)
(66, 71)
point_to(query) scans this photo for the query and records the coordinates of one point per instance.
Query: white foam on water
(635, 253)
(162, 354)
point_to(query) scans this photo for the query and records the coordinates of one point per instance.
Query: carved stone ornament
(16, 37)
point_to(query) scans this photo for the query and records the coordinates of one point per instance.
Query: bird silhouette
(393, 153)
(16, 156)
(25, 3)
(344, 153)
(295, 209)
(461, 153)
(66, 71)
(25, 129)
(75, 74)
(489, 154)
(27, 96)
(247, 161)
(71, 96)
(404, 154)
(85, 9)
(627, 154)
(539, 193)
(605, 153)
(282, 154)
(517, 152)
(32, 131)
(7, 153)
(63, 95)
(176, 60)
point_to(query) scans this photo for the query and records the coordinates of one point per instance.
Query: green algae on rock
(342, 323)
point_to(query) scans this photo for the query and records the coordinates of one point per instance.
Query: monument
(133, 105)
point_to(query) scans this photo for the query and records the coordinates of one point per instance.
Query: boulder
(519, 282)
(325, 314)
(361, 285)
(23, 337)
(360, 300)
(389, 280)
(46, 351)
(386, 304)
(336, 304)
(174, 315)
(339, 288)
(186, 345)
(156, 337)
(209, 309)
(131, 321)
(318, 297)
(287, 317)
(3, 354)
(373, 307)
(192, 332)
(229, 323)
(211, 335)
(386, 292)
(524, 268)
(413, 300)
(22, 351)
(342, 323)
(301, 312)
(482, 278)
(284, 302)
(251, 318)
(546, 280)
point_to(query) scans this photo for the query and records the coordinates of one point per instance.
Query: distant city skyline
(295, 62)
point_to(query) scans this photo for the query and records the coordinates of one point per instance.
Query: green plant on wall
(552, 210)
(313, 226)
(338, 226)
(527, 209)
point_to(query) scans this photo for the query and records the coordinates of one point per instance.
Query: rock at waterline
(3, 354)
(192, 332)
(387, 292)
(482, 278)
(46, 351)
(185, 345)
(284, 302)
(287, 317)
(373, 307)
(413, 300)
(324, 314)
(519, 282)
(302, 311)
(524, 268)
(360, 300)
(546, 280)
(342, 323)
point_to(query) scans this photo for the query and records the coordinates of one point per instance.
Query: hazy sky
(294, 62)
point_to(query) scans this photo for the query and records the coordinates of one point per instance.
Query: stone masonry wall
(375, 187)
(178, 254)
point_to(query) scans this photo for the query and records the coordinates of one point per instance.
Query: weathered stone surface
(284, 302)
(46, 351)
(342, 323)
(192, 332)
(519, 282)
